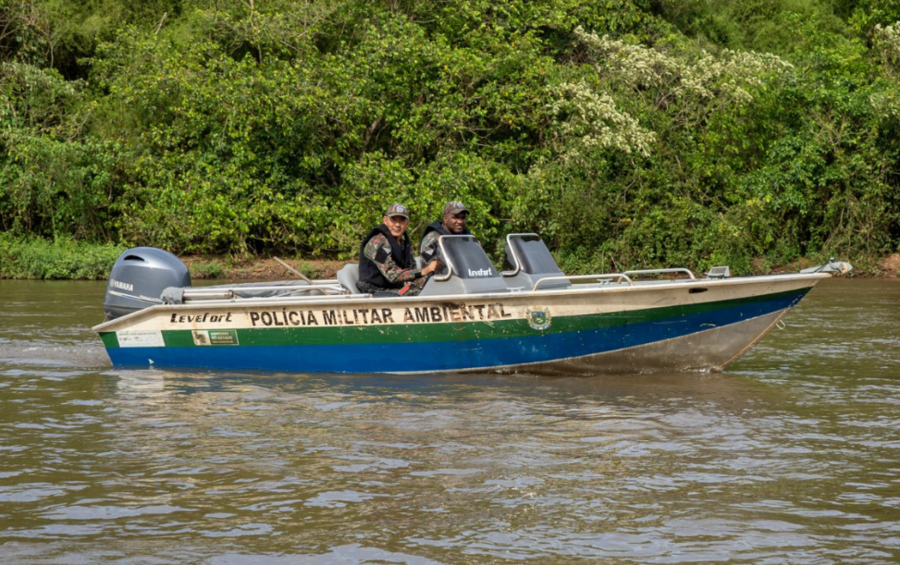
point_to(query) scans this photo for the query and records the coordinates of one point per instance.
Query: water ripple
(791, 457)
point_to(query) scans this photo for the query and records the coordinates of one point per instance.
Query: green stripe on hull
(456, 331)
(109, 339)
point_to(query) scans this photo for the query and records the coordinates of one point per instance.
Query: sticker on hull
(140, 338)
(215, 337)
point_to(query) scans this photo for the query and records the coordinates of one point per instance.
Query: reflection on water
(789, 457)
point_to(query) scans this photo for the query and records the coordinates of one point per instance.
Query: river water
(791, 456)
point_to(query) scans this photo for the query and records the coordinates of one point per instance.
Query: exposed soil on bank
(891, 265)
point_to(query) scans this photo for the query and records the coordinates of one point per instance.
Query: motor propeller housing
(139, 277)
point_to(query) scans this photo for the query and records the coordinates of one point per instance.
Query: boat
(532, 318)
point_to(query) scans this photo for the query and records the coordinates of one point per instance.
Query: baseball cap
(454, 207)
(397, 210)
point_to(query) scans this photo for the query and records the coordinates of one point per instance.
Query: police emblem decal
(538, 318)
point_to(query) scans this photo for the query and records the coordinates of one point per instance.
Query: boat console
(468, 269)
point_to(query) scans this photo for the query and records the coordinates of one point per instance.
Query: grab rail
(229, 293)
(662, 271)
(515, 254)
(618, 276)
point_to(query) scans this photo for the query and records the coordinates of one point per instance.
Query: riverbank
(73, 260)
(261, 268)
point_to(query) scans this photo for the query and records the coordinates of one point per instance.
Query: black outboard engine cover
(138, 279)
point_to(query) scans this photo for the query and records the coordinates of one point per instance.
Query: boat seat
(347, 276)
(534, 262)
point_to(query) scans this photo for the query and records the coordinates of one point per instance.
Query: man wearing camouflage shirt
(386, 260)
(453, 223)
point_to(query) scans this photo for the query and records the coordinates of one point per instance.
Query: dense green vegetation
(38, 258)
(628, 132)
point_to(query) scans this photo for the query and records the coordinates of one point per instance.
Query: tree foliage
(627, 132)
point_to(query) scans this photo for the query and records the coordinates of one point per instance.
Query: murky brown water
(792, 456)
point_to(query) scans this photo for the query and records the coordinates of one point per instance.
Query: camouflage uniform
(378, 250)
(429, 248)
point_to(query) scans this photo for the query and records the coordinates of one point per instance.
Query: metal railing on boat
(515, 254)
(605, 277)
(688, 272)
(230, 293)
(626, 277)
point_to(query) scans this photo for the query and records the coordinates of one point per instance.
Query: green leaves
(60, 258)
(627, 133)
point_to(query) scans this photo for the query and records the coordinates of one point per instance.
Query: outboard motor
(139, 277)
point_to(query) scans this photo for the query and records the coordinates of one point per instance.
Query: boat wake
(42, 354)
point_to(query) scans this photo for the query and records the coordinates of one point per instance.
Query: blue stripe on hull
(443, 356)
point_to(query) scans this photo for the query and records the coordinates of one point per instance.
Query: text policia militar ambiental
(285, 317)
